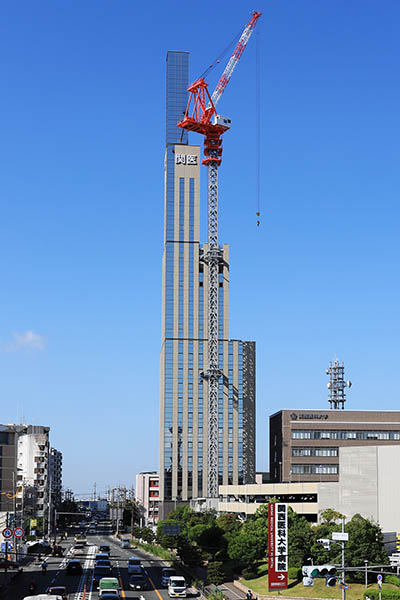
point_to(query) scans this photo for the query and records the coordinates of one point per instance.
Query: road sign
(379, 578)
(18, 532)
(7, 533)
(338, 536)
(277, 546)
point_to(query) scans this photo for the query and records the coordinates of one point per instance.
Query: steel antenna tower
(337, 385)
(205, 120)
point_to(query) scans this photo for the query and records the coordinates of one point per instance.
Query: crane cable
(220, 56)
(258, 133)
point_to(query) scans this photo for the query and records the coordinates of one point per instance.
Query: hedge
(393, 579)
(386, 594)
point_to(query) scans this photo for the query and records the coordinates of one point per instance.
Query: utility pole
(343, 571)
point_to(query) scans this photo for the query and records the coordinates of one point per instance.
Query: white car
(177, 587)
(125, 543)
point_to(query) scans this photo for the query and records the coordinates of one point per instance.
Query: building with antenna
(184, 350)
(305, 444)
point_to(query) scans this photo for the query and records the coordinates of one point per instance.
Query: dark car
(138, 581)
(104, 548)
(103, 563)
(57, 551)
(166, 573)
(58, 590)
(101, 556)
(74, 567)
(100, 572)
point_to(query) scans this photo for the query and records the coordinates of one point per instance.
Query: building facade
(33, 465)
(366, 485)
(183, 405)
(55, 477)
(148, 497)
(305, 445)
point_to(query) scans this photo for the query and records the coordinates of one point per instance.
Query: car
(100, 572)
(125, 543)
(104, 548)
(136, 570)
(101, 556)
(57, 551)
(109, 585)
(177, 587)
(103, 563)
(74, 567)
(109, 595)
(79, 549)
(138, 581)
(43, 597)
(166, 573)
(133, 562)
(58, 590)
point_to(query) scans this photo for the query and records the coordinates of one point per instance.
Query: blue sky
(81, 194)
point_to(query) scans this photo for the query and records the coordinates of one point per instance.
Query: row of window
(315, 469)
(315, 451)
(344, 435)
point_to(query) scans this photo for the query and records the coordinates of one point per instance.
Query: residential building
(184, 394)
(148, 497)
(55, 477)
(305, 445)
(33, 465)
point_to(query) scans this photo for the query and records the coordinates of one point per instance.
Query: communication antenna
(337, 385)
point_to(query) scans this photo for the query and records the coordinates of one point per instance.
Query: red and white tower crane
(201, 116)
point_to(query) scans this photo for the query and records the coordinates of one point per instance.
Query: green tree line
(227, 542)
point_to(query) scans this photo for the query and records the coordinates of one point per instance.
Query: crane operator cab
(220, 120)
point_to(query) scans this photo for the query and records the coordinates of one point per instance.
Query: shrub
(393, 579)
(294, 573)
(249, 573)
(386, 594)
(216, 595)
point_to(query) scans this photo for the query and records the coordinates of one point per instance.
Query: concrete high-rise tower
(183, 407)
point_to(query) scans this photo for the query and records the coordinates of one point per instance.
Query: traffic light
(328, 572)
(398, 542)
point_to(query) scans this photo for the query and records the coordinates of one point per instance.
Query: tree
(365, 543)
(300, 539)
(190, 554)
(216, 573)
(243, 548)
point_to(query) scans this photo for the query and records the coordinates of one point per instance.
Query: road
(76, 584)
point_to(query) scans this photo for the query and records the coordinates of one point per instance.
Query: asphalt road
(76, 584)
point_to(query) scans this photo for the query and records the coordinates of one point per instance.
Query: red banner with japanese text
(277, 546)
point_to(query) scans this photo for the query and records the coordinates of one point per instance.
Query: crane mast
(205, 120)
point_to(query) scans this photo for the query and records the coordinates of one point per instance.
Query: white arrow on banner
(281, 576)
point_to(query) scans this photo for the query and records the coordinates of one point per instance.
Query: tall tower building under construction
(184, 393)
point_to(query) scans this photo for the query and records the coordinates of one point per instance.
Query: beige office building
(183, 402)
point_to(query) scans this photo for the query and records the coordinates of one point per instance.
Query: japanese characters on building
(277, 546)
(186, 159)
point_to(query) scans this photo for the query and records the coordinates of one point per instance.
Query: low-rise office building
(305, 445)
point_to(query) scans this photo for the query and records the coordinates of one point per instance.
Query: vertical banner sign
(277, 547)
